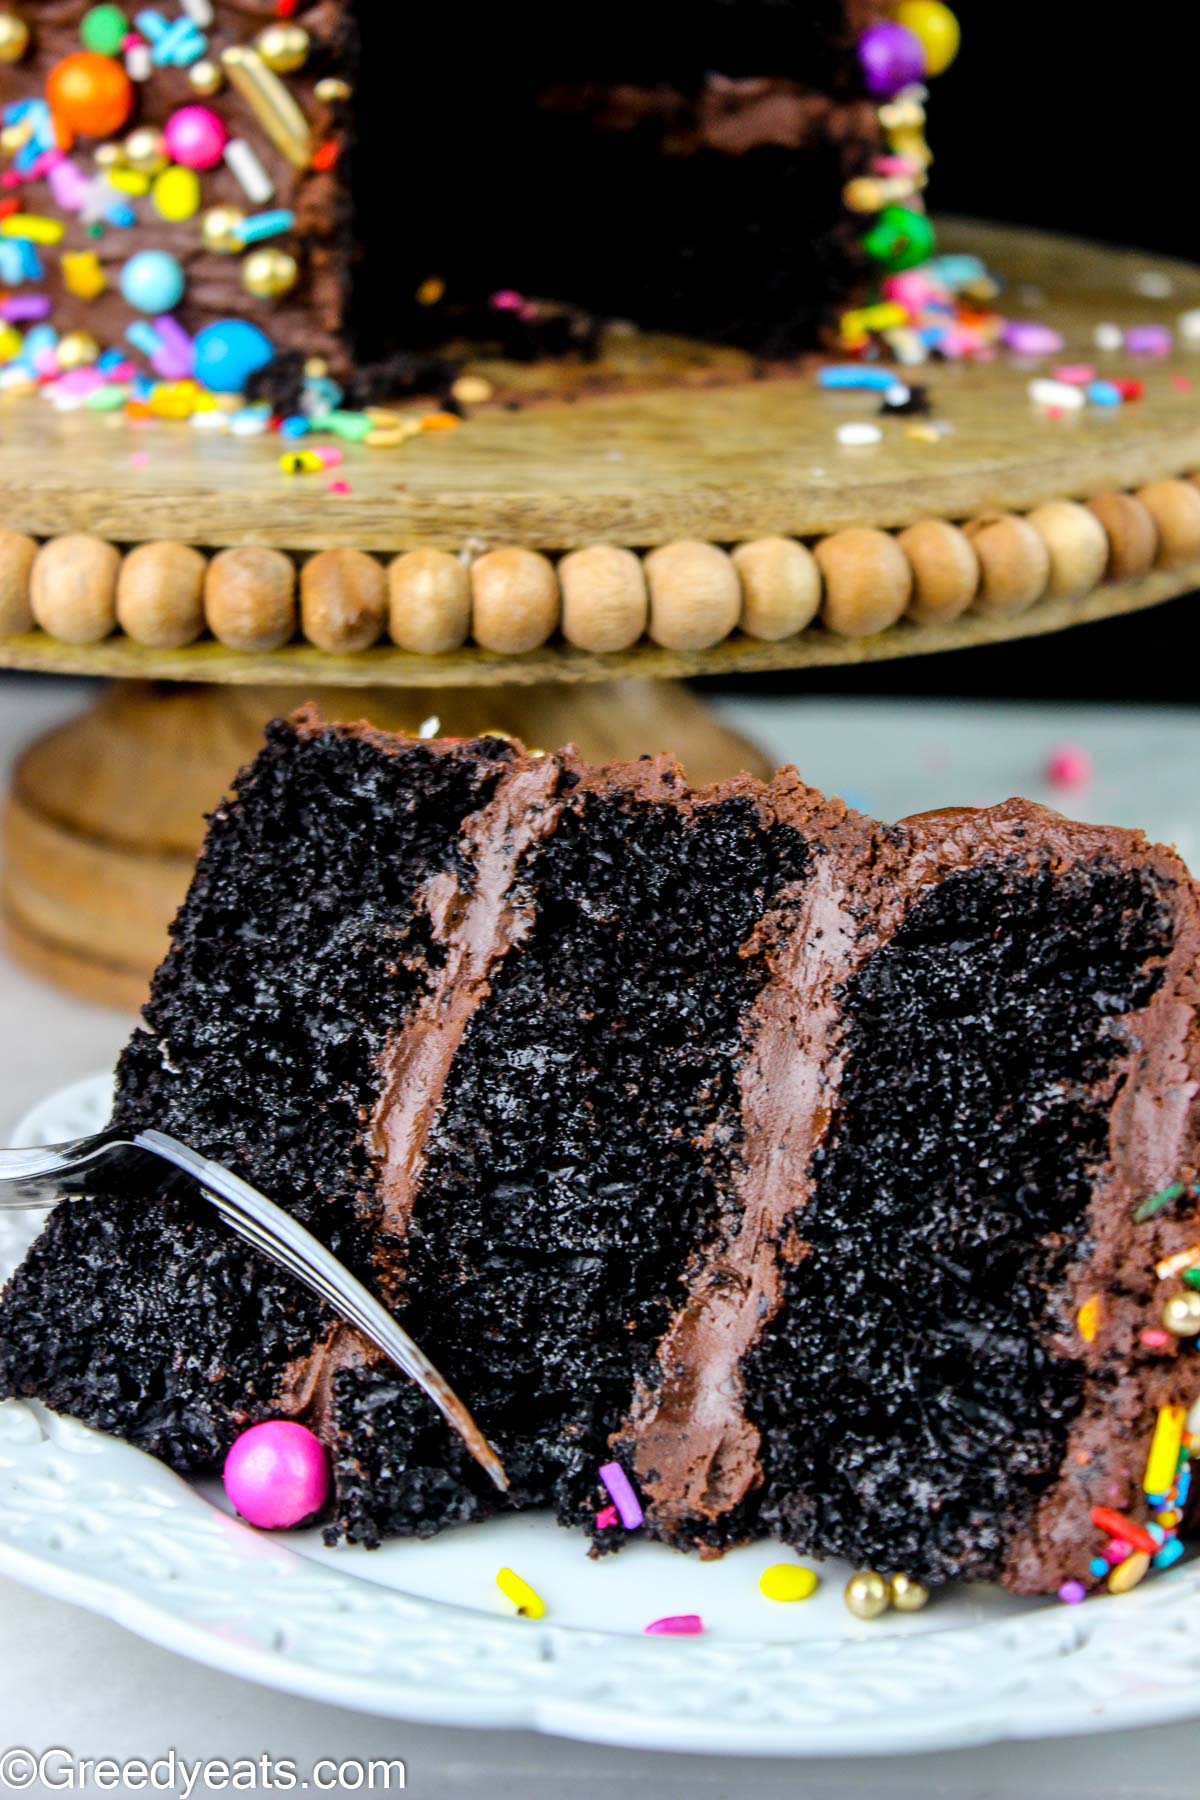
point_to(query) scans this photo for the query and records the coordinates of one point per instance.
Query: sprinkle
(1074, 374)
(1058, 394)
(787, 1581)
(1069, 766)
(1191, 1278)
(1170, 1553)
(1188, 325)
(1146, 1209)
(1104, 393)
(1027, 337)
(1127, 1574)
(243, 164)
(33, 227)
(527, 1602)
(1098, 1566)
(440, 421)
(677, 1625)
(606, 1518)
(1116, 1550)
(1154, 1337)
(858, 434)
(620, 1492)
(271, 102)
(1088, 1318)
(1148, 340)
(853, 376)
(339, 487)
(1118, 1526)
(1072, 1592)
(265, 225)
(1175, 1265)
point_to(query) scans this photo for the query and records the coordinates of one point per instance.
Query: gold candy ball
(14, 38)
(206, 77)
(221, 229)
(270, 274)
(146, 150)
(333, 91)
(284, 48)
(906, 1594)
(867, 1594)
(77, 350)
(1181, 1315)
(108, 156)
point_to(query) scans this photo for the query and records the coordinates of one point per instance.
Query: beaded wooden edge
(512, 614)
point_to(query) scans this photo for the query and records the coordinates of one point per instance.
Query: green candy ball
(104, 30)
(900, 239)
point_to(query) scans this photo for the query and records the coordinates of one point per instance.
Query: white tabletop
(70, 1680)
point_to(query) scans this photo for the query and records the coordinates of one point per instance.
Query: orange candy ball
(90, 94)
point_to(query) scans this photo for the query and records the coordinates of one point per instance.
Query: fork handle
(46, 1173)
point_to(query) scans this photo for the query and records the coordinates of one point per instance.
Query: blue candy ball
(152, 281)
(229, 353)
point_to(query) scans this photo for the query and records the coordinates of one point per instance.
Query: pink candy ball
(1069, 766)
(277, 1474)
(195, 137)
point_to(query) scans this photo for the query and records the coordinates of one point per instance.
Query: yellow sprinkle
(882, 317)
(924, 434)
(431, 291)
(528, 1603)
(301, 462)
(177, 193)
(1169, 1519)
(1175, 1265)
(130, 181)
(787, 1581)
(1088, 1318)
(10, 343)
(32, 227)
(83, 274)
(386, 437)
(1163, 1460)
(1126, 1575)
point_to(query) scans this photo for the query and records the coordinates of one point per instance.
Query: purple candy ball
(892, 57)
(277, 1474)
(1072, 1592)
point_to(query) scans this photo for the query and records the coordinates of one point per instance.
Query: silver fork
(42, 1176)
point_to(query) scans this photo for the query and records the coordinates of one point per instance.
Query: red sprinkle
(1154, 1337)
(1130, 389)
(1117, 1525)
(326, 155)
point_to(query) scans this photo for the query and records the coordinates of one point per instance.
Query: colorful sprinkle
(527, 1600)
(1154, 1337)
(1170, 1553)
(606, 1518)
(1146, 1209)
(1072, 1592)
(676, 1625)
(620, 1492)
(1119, 1526)
(1175, 1265)
(1088, 1318)
(1164, 1449)
(787, 1582)
(1126, 1575)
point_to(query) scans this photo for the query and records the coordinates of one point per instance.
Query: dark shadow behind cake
(776, 1152)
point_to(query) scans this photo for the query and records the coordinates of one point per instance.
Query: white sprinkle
(1155, 284)
(858, 433)
(1108, 337)
(898, 394)
(243, 164)
(906, 346)
(429, 728)
(250, 423)
(1188, 325)
(200, 12)
(1057, 394)
(210, 421)
(139, 64)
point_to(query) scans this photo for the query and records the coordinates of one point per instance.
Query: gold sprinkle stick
(270, 102)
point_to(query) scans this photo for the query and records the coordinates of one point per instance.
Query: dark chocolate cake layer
(774, 1152)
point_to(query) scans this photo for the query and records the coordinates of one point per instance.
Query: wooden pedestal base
(105, 816)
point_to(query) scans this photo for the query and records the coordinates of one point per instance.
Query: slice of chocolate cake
(793, 1160)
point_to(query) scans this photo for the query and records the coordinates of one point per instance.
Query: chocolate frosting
(477, 915)
(729, 116)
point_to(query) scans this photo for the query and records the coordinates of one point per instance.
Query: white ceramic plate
(419, 1630)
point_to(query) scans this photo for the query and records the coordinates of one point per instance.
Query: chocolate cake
(370, 183)
(831, 1177)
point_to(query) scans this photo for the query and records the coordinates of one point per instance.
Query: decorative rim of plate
(88, 1520)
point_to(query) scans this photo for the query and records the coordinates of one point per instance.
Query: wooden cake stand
(660, 443)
